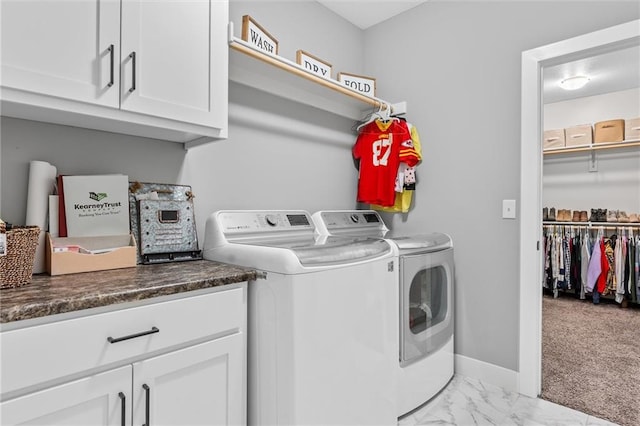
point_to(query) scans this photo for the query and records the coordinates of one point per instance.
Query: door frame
(533, 62)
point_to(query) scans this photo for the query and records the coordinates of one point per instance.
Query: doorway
(533, 62)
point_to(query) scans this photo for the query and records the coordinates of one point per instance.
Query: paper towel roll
(42, 178)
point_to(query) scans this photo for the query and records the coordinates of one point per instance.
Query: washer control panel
(354, 219)
(265, 221)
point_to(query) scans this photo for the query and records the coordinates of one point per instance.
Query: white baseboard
(487, 373)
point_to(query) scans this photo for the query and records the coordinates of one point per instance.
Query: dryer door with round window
(426, 300)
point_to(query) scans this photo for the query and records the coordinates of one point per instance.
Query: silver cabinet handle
(112, 64)
(133, 336)
(147, 391)
(133, 71)
(123, 409)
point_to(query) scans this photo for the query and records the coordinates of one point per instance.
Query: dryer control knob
(272, 220)
(354, 218)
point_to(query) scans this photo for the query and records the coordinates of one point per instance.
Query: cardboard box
(609, 131)
(86, 254)
(632, 129)
(581, 135)
(553, 139)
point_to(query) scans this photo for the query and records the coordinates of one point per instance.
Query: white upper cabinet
(167, 63)
(148, 68)
(62, 48)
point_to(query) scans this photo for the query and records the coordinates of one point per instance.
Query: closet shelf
(281, 77)
(593, 147)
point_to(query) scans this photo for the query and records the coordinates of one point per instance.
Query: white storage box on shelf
(632, 129)
(553, 139)
(580, 135)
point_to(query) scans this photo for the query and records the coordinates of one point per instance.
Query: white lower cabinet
(193, 386)
(178, 362)
(93, 400)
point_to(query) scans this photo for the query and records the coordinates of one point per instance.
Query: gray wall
(469, 130)
(457, 64)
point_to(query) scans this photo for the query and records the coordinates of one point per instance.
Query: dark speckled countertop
(47, 295)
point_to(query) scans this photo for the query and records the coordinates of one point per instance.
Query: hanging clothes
(546, 267)
(610, 283)
(564, 263)
(637, 268)
(594, 269)
(601, 266)
(620, 253)
(380, 148)
(405, 179)
(576, 261)
(634, 278)
(585, 250)
(604, 272)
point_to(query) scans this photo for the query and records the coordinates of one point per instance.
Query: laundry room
(454, 69)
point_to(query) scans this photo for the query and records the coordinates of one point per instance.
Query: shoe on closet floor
(622, 217)
(576, 216)
(612, 216)
(600, 215)
(583, 216)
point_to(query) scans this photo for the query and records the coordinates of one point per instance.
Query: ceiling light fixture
(573, 83)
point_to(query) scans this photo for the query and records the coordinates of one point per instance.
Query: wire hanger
(383, 113)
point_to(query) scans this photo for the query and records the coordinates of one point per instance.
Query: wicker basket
(17, 266)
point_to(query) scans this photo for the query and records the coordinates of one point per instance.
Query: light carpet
(591, 358)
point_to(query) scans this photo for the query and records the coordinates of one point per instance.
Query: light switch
(508, 209)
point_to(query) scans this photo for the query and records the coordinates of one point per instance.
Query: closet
(588, 178)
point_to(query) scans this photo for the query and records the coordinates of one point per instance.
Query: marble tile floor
(467, 401)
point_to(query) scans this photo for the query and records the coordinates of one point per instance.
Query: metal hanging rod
(591, 226)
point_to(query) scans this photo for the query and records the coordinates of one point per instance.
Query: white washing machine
(321, 331)
(426, 275)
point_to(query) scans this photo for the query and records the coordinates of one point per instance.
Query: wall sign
(254, 34)
(359, 83)
(313, 64)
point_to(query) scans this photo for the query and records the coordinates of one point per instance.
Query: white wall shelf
(593, 147)
(284, 78)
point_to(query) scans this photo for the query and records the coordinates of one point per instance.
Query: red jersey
(381, 147)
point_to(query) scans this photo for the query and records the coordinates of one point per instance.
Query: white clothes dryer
(321, 331)
(426, 310)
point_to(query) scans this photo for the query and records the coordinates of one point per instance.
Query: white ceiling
(365, 14)
(610, 72)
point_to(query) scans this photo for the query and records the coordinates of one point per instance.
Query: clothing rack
(569, 252)
(593, 225)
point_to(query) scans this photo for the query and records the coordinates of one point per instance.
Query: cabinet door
(94, 400)
(202, 384)
(62, 48)
(171, 51)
